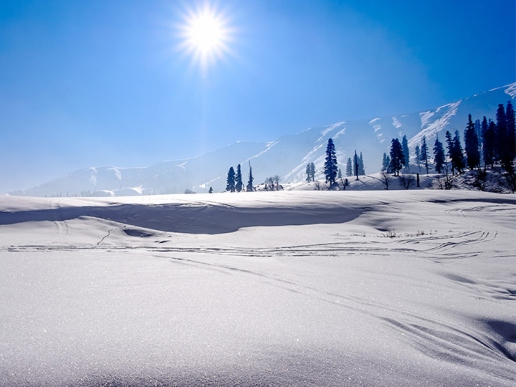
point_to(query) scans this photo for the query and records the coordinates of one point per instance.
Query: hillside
(286, 157)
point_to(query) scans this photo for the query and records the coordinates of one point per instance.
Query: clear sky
(119, 82)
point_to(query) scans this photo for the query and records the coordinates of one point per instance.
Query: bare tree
(276, 179)
(447, 181)
(272, 183)
(385, 179)
(343, 184)
(269, 184)
(510, 176)
(407, 181)
(480, 179)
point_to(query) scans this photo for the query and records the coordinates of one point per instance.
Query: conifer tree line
(423, 154)
(332, 173)
(310, 172)
(234, 181)
(349, 167)
(397, 157)
(330, 163)
(486, 143)
(358, 165)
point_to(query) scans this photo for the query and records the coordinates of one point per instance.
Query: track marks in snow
(458, 345)
(63, 230)
(460, 240)
(430, 336)
(104, 237)
(429, 246)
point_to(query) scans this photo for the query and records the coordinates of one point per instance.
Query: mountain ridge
(286, 157)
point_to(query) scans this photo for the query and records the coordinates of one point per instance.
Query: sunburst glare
(205, 36)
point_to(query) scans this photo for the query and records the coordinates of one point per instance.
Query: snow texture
(396, 123)
(433, 122)
(297, 288)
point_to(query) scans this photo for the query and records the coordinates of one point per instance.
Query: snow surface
(370, 288)
(396, 123)
(434, 122)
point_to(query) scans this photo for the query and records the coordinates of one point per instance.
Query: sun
(205, 33)
(205, 36)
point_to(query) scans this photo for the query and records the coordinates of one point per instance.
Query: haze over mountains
(286, 157)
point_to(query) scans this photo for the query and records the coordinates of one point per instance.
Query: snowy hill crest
(286, 157)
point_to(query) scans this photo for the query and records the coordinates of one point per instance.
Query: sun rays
(205, 36)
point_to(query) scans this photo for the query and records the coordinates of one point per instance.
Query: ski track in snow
(289, 288)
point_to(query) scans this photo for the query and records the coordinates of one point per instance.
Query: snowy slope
(166, 177)
(286, 157)
(285, 288)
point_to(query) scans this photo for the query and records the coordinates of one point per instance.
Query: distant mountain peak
(286, 157)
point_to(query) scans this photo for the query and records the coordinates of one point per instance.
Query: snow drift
(278, 288)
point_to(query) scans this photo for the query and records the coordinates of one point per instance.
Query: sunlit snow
(371, 288)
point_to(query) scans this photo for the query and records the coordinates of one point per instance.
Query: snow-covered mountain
(286, 157)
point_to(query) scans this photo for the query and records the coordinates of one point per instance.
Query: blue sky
(102, 82)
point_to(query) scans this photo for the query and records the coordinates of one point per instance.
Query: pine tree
(501, 134)
(330, 163)
(239, 186)
(488, 150)
(507, 161)
(339, 174)
(385, 165)
(361, 168)
(231, 180)
(386, 162)
(471, 147)
(449, 147)
(439, 157)
(418, 158)
(406, 155)
(483, 130)
(481, 138)
(311, 171)
(349, 167)
(511, 131)
(478, 129)
(397, 157)
(355, 165)
(424, 153)
(457, 153)
(250, 187)
(308, 173)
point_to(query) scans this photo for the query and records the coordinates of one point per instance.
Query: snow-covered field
(370, 288)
